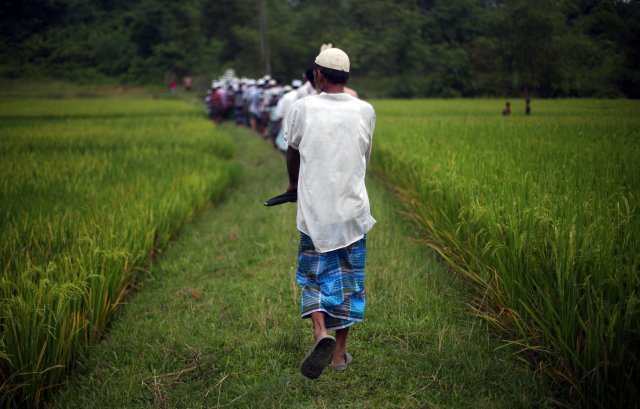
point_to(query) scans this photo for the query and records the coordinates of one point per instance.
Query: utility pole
(265, 50)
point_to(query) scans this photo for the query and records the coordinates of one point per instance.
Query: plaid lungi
(332, 282)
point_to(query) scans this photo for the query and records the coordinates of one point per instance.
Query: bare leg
(319, 329)
(341, 343)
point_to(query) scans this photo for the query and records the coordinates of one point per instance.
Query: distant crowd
(260, 104)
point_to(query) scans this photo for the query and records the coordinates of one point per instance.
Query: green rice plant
(541, 212)
(91, 191)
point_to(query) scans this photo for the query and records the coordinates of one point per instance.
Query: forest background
(398, 48)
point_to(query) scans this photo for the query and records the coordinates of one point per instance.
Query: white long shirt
(334, 135)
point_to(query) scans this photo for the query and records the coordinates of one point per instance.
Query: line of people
(259, 104)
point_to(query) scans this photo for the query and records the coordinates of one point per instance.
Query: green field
(92, 190)
(539, 213)
(216, 320)
(542, 213)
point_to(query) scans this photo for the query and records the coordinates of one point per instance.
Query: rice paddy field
(91, 191)
(541, 214)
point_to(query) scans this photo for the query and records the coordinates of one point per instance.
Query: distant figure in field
(527, 107)
(238, 105)
(187, 81)
(173, 87)
(208, 104)
(507, 109)
(217, 103)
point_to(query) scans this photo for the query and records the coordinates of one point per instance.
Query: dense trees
(398, 47)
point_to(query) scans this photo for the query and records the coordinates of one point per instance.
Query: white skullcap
(272, 82)
(296, 83)
(333, 58)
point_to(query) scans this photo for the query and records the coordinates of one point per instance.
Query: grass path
(215, 321)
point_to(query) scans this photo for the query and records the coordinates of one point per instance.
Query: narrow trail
(215, 322)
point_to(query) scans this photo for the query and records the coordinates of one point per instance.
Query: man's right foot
(318, 357)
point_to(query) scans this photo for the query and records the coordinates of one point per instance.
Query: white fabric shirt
(334, 135)
(284, 105)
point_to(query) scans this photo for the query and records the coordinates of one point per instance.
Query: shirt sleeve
(295, 121)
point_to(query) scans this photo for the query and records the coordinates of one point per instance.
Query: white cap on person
(333, 58)
(296, 83)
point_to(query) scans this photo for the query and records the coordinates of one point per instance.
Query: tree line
(398, 48)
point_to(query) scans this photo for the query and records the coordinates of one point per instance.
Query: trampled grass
(90, 191)
(542, 212)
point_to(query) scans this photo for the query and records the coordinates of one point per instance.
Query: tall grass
(90, 191)
(542, 213)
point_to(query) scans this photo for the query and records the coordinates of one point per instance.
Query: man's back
(333, 133)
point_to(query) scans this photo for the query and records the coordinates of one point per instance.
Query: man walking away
(330, 138)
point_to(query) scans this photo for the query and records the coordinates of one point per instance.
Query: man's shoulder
(326, 101)
(364, 104)
(365, 107)
(299, 106)
(298, 102)
(309, 100)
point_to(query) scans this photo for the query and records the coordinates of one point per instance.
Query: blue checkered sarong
(332, 282)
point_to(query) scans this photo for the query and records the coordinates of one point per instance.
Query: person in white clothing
(308, 88)
(329, 139)
(282, 109)
(289, 97)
